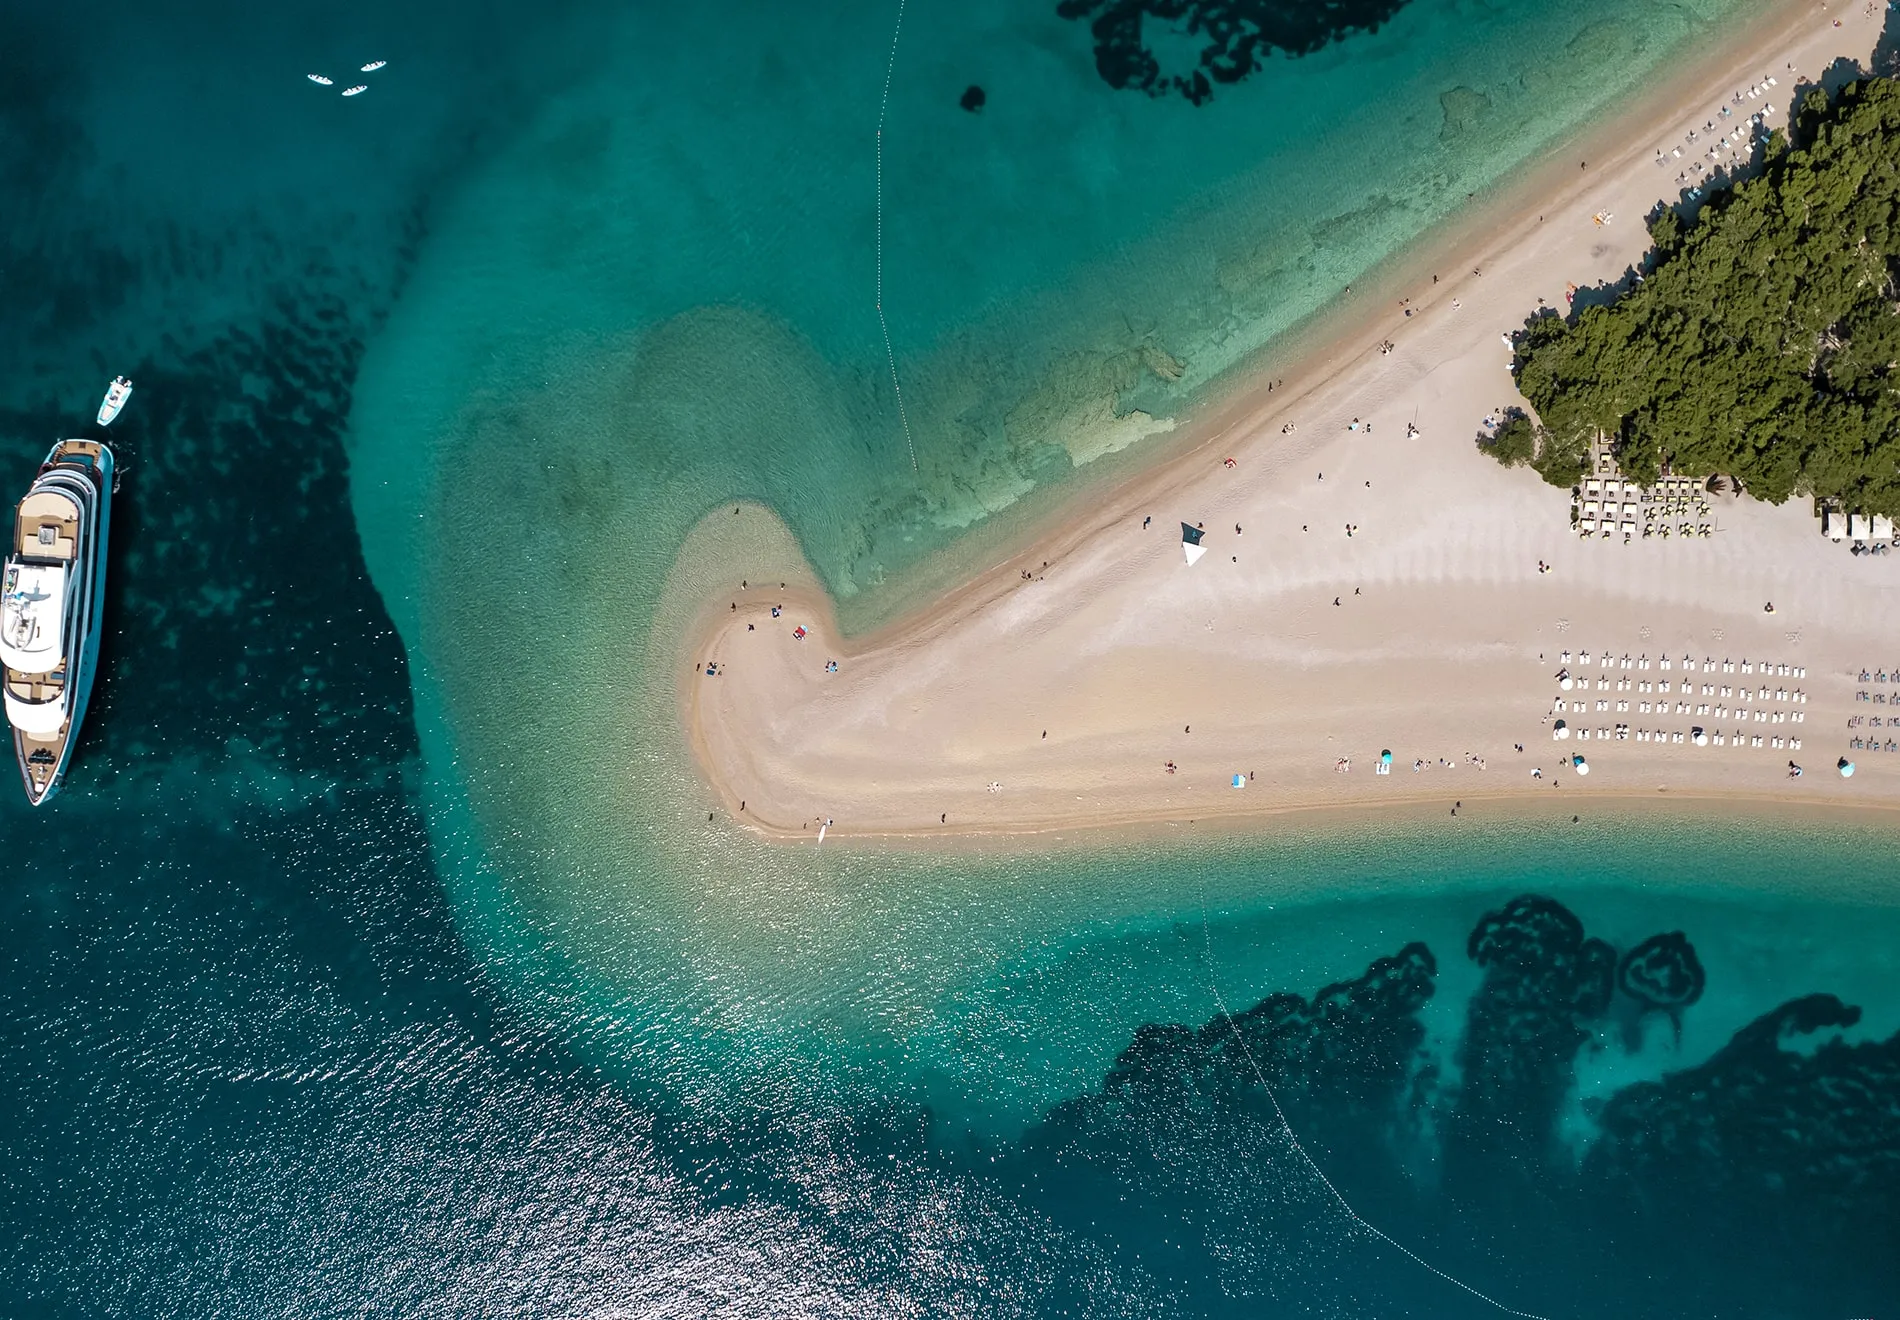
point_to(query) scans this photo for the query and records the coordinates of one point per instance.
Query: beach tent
(1191, 542)
(1240, 781)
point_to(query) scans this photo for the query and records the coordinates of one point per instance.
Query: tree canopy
(1764, 341)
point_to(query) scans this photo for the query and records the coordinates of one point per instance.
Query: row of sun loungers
(1760, 715)
(1709, 665)
(1698, 737)
(1606, 528)
(1615, 488)
(1743, 696)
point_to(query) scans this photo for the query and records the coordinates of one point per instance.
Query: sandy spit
(1365, 590)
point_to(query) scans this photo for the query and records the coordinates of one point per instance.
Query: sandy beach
(1366, 590)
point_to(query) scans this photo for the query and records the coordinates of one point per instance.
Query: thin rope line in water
(890, 354)
(1207, 945)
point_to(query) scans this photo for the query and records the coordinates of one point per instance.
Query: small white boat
(116, 394)
(319, 79)
(374, 65)
(357, 90)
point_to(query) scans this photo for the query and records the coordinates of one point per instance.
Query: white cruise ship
(52, 598)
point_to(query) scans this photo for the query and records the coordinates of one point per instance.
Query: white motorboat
(374, 65)
(116, 394)
(357, 90)
(52, 599)
(319, 79)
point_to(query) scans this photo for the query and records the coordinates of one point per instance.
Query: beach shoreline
(787, 746)
(1325, 342)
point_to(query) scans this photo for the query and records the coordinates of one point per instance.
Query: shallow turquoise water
(1063, 272)
(659, 294)
(351, 976)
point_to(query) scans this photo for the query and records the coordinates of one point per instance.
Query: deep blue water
(259, 1055)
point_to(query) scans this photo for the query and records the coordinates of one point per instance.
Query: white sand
(1446, 638)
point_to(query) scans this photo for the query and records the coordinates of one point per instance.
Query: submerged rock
(1545, 987)
(1662, 972)
(1234, 37)
(973, 98)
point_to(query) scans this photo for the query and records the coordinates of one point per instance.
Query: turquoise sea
(379, 957)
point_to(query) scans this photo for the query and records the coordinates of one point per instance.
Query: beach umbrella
(1559, 730)
(1847, 768)
(1582, 766)
(1191, 542)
